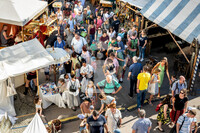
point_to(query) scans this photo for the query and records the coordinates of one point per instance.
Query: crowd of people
(89, 36)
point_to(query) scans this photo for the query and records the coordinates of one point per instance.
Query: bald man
(179, 85)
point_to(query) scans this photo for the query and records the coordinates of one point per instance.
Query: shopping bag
(10, 88)
(150, 88)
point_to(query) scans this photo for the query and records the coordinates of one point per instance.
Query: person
(134, 70)
(142, 125)
(86, 54)
(98, 21)
(163, 66)
(68, 67)
(131, 31)
(80, 6)
(120, 43)
(62, 85)
(96, 123)
(75, 59)
(110, 69)
(4, 38)
(113, 46)
(30, 76)
(68, 49)
(185, 122)
(98, 34)
(38, 105)
(179, 103)
(132, 45)
(111, 33)
(106, 101)
(88, 10)
(109, 85)
(121, 59)
(59, 14)
(90, 19)
(115, 24)
(82, 126)
(91, 92)
(142, 45)
(91, 31)
(142, 85)
(113, 117)
(179, 85)
(87, 71)
(106, 15)
(85, 106)
(163, 115)
(173, 80)
(46, 73)
(104, 39)
(71, 23)
(59, 43)
(77, 43)
(77, 71)
(73, 92)
(79, 17)
(67, 11)
(68, 35)
(106, 25)
(153, 86)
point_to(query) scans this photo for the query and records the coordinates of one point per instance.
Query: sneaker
(142, 60)
(138, 58)
(130, 95)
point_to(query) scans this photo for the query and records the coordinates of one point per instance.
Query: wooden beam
(178, 46)
(38, 87)
(142, 24)
(153, 25)
(131, 8)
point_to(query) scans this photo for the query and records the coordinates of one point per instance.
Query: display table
(48, 98)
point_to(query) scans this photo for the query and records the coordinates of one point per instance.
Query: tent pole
(38, 87)
(179, 46)
(153, 25)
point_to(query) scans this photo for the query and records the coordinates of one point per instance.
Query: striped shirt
(186, 124)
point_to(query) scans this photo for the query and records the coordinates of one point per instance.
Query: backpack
(134, 43)
(176, 82)
(158, 107)
(72, 87)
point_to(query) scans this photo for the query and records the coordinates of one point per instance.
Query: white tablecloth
(48, 99)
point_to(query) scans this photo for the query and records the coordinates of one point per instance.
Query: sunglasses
(181, 93)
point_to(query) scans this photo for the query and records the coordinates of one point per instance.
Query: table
(48, 99)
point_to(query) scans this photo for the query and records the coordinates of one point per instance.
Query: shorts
(46, 73)
(30, 77)
(120, 71)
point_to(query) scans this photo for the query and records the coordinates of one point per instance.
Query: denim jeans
(141, 52)
(91, 38)
(141, 97)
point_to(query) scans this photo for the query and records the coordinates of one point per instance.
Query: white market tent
(137, 3)
(20, 12)
(36, 126)
(17, 60)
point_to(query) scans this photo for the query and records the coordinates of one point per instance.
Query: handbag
(173, 130)
(10, 88)
(118, 122)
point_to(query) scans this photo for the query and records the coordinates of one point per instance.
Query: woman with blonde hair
(113, 117)
(163, 66)
(91, 93)
(153, 86)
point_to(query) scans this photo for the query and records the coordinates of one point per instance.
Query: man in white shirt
(77, 43)
(87, 70)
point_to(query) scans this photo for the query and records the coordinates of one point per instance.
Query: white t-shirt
(86, 56)
(59, 15)
(78, 44)
(88, 69)
(112, 123)
(90, 92)
(77, 84)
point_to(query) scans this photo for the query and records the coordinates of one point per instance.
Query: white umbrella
(59, 55)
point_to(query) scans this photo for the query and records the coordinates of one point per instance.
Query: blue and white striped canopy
(181, 17)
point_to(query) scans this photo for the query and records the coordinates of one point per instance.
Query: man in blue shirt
(179, 85)
(142, 125)
(96, 123)
(59, 43)
(134, 70)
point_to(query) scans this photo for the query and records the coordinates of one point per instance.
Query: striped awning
(181, 17)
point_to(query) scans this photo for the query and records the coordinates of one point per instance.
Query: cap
(91, 107)
(117, 131)
(193, 111)
(81, 116)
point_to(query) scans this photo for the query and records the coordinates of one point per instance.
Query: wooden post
(38, 87)
(142, 24)
(179, 46)
(22, 33)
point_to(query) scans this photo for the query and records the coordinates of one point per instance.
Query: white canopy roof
(23, 58)
(36, 126)
(137, 3)
(19, 12)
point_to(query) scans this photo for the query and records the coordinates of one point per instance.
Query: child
(38, 105)
(91, 93)
(93, 63)
(82, 127)
(77, 71)
(153, 86)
